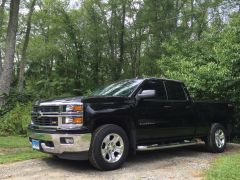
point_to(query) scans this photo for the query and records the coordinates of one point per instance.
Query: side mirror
(146, 94)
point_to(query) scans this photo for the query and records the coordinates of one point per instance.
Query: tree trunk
(2, 12)
(239, 7)
(78, 46)
(0, 63)
(192, 6)
(121, 41)
(24, 49)
(6, 77)
(1, 24)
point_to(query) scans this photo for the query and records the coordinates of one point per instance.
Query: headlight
(74, 108)
(72, 120)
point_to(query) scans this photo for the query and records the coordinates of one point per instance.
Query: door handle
(167, 107)
(187, 107)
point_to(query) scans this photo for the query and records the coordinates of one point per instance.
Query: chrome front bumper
(81, 142)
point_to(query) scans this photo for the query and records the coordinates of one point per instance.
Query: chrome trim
(69, 126)
(171, 145)
(81, 142)
(35, 113)
(59, 114)
(59, 121)
(45, 127)
(60, 127)
(54, 103)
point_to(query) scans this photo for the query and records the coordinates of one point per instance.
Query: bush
(16, 120)
(13, 98)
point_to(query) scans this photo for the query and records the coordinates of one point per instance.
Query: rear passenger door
(182, 117)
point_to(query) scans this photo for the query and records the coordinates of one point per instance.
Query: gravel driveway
(178, 163)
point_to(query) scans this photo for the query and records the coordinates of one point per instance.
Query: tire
(109, 147)
(216, 140)
(55, 157)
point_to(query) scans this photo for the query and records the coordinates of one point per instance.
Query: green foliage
(225, 167)
(236, 140)
(74, 50)
(208, 65)
(15, 115)
(15, 97)
(16, 120)
(20, 155)
(14, 142)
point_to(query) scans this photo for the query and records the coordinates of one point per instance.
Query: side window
(158, 86)
(175, 91)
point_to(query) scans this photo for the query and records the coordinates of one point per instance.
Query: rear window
(175, 91)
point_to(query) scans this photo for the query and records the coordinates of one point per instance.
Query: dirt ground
(178, 163)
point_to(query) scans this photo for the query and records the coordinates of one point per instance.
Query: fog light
(66, 140)
(69, 140)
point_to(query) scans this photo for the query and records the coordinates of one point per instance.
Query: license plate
(35, 144)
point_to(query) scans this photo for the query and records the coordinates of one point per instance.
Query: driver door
(152, 114)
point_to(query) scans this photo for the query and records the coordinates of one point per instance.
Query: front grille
(45, 121)
(46, 108)
(51, 115)
(40, 115)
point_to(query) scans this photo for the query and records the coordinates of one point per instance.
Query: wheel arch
(126, 124)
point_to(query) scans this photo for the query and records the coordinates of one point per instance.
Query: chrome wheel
(112, 148)
(219, 138)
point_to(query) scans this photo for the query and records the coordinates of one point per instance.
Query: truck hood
(104, 99)
(79, 99)
(59, 101)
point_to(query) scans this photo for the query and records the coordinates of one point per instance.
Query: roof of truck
(155, 78)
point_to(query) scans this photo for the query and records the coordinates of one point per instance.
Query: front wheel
(109, 147)
(216, 140)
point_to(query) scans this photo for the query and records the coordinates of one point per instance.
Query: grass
(225, 167)
(14, 142)
(16, 148)
(236, 140)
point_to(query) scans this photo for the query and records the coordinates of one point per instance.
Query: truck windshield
(122, 88)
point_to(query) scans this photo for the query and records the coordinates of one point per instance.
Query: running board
(165, 146)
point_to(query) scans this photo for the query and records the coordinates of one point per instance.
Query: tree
(121, 40)
(75, 49)
(210, 66)
(25, 46)
(6, 77)
(1, 24)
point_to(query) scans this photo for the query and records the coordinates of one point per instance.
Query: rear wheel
(109, 147)
(216, 140)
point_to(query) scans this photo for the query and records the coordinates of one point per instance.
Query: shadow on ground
(139, 159)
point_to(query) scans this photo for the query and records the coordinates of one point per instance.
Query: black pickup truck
(128, 116)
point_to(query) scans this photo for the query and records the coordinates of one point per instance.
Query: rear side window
(175, 91)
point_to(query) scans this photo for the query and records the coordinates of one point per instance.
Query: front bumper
(50, 142)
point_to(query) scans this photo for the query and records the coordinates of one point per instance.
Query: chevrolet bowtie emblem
(40, 114)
